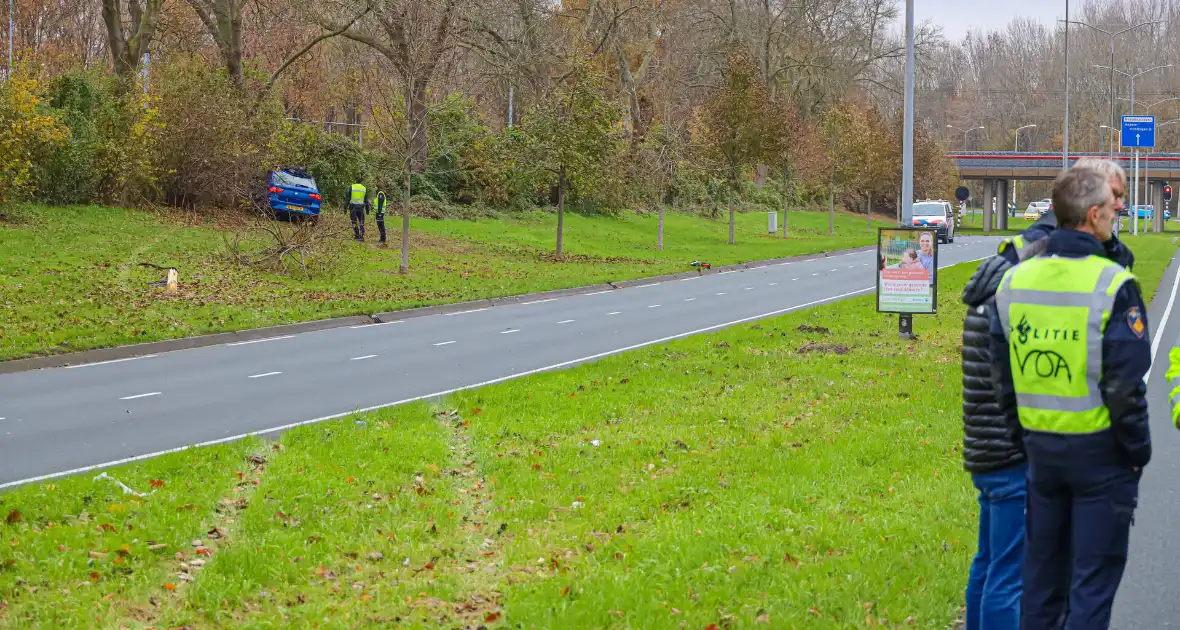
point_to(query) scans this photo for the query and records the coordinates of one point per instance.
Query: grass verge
(789, 473)
(70, 278)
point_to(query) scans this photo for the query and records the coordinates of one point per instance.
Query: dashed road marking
(444, 343)
(400, 321)
(367, 356)
(509, 331)
(474, 310)
(568, 321)
(615, 313)
(265, 375)
(653, 306)
(140, 396)
(538, 301)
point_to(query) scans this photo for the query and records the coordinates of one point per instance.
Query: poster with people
(907, 271)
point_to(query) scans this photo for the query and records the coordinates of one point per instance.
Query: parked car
(1145, 211)
(938, 215)
(292, 192)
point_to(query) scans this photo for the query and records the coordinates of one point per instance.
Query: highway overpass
(997, 169)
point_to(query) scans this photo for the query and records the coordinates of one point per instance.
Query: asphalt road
(1147, 596)
(70, 420)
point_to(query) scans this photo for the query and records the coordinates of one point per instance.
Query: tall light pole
(965, 132)
(907, 153)
(1016, 148)
(1113, 36)
(1135, 178)
(1110, 131)
(1065, 133)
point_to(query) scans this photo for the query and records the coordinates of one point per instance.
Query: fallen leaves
(14, 517)
(492, 617)
(156, 483)
(169, 586)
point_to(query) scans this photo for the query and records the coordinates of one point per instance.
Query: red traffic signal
(1167, 193)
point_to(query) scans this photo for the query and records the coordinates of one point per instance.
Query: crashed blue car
(292, 191)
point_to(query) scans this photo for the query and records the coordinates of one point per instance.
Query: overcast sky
(957, 16)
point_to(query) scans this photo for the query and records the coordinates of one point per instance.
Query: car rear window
(929, 210)
(285, 179)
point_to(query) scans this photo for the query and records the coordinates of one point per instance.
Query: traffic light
(1167, 192)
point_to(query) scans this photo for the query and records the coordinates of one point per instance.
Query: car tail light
(315, 196)
(274, 189)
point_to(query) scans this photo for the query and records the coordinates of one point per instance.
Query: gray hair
(1109, 168)
(1075, 192)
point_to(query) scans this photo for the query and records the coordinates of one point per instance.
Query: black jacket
(1126, 358)
(988, 444)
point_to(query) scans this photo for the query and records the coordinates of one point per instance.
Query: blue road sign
(1138, 132)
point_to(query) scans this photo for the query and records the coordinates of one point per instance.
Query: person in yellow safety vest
(1173, 376)
(357, 207)
(380, 215)
(1070, 348)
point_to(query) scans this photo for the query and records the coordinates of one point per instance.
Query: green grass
(731, 479)
(70, 280)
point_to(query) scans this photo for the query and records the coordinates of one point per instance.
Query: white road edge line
(447, 392)
(568, 321)
(400, 321)
(140, 396)
(367, 356)
(555, 366)
(689, 299)
(1163, 325)
(615, 313)
(509, 331)
(692, 278)
(539, 301)
(243, 343)
(444, 343)
(82, 365)
(265, 375)
(774, 284)
(474, 310)
(599, 292)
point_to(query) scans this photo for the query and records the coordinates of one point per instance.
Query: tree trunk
(731, 221)
(831, 209)
(404, 267)
(660, 235)
(560, 210)
(128, 45)
(419, 122)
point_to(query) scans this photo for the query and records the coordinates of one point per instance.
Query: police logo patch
(1135, 321)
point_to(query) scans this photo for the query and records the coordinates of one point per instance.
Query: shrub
(27, 130)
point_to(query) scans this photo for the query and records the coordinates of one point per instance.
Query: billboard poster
(907, 271)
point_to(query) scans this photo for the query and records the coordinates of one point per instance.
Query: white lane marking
(653, 306)
(726, 272)
(689, 299)
(474, 310)
(82, 365)
(243, 343)
(538, 301)
(568, 321)
(815, 274)
(140, 396)
(615, 313)
(794, 279)
(400, 321)
(367, 356)
(749, 288)
(774, 284)
(834, 271)
(1155, 343)
(644, 286)
(599, 292)
(444, 343)
(509, 331)
(852, 266)
(692, 278)
(3, 418)
(265, 375)
(722, 293)
(547, 368)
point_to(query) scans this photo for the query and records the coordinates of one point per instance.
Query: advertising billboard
(907, 271)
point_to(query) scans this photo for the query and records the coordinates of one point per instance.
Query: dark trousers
(357, 214)
(381, 226)
(1080, 510)
(994, 585)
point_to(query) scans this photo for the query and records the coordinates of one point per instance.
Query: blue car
(292, 192)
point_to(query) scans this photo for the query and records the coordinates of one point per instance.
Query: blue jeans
(994, 586)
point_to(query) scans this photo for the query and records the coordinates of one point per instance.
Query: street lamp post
(1135, 178)
(1016, 148)
(1110, 131)
(907, 152)
(965, 132)
(1113, 36)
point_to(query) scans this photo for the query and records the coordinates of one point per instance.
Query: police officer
(1070, 345)
(357, 207)
(380, 215)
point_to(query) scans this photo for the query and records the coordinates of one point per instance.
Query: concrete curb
(155, 347)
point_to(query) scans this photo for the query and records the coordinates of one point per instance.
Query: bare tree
(130, 32)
